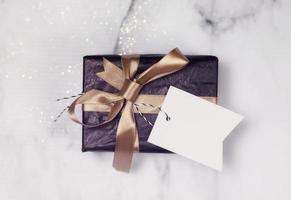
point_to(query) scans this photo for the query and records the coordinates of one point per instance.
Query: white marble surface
(41, 49)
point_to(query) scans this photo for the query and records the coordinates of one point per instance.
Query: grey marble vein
(117, 43)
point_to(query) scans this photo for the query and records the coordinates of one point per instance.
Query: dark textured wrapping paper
(199, 77)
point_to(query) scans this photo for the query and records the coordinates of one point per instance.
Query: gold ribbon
(129, 87)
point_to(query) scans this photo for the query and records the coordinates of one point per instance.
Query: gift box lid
(199, 77)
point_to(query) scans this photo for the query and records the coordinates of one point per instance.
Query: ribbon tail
(112, 74)
(126, 136)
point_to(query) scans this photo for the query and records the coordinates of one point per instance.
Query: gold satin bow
(129, 87)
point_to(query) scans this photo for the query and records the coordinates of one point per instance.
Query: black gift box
(199, 77)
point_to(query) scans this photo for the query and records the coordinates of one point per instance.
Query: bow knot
(130, 90)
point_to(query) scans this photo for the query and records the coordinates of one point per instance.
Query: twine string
(66, 108)
(136, 105)
(70, 97)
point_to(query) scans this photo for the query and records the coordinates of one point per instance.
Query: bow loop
(170, 63)
(99, 98)
(129, 65)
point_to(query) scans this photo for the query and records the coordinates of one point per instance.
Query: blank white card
(196, 128)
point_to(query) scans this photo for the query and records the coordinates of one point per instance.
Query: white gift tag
(196, 129)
